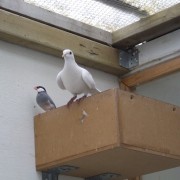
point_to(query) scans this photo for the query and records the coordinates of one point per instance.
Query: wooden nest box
(111, 132)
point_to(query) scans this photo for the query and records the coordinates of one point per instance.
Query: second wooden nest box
(111, 132)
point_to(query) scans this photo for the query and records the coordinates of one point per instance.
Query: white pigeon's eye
(70, 52)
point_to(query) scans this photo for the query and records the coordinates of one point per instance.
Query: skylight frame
(104, 14)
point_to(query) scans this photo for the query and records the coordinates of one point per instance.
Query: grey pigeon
(74, 78)
(43, 99)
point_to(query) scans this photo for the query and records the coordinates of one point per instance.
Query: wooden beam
(136, 178)
(124, 87)
(56, 20)
(32, 34)
(148, 28)
(151, 73)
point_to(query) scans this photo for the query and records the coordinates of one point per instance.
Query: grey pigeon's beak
(35, 88)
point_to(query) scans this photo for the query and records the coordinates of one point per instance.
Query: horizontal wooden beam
(135, 178)
(32, 34)
(122, 86)
(148, 28)
(151, 73)
(57, 20)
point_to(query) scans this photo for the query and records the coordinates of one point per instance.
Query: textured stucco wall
(20, 70)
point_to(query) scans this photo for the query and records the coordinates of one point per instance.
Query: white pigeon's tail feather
(94, 91)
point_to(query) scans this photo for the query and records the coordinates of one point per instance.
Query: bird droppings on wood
(83, 117)
(92, 52)
(96, 48)
(82, 45)
(131, 97)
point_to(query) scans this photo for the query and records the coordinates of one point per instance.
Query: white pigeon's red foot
(80, 99)
(71, 100)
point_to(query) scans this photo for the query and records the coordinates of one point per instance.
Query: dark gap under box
(111, 132)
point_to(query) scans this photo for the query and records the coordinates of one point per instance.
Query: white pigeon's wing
(94, 91)
(88, 79)
(59, 81)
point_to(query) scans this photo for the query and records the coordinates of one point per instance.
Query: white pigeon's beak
(62, 55)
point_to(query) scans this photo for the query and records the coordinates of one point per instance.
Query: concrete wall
(20, 70)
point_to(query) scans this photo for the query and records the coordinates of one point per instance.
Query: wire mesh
(152, 6)
(104, 14)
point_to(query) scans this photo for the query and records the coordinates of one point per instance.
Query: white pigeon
(74, 78)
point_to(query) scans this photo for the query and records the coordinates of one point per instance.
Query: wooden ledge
(121, 133)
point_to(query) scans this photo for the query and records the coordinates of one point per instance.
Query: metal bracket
(53, 174)
(129, 58)
(104, 176)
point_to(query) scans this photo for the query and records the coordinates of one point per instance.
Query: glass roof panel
(108, 15)
(152, 6)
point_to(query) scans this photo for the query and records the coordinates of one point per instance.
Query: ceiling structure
(28, 25)
(109, 15)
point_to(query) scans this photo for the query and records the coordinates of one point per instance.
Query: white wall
(165, 89)
(162, 48)
(171, 174)
(20, 70)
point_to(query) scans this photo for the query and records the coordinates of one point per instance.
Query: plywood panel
(122, 133)
(149, 124)
(128, 163)
(64, 133)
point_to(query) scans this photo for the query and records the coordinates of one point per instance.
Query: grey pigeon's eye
(70, 52)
